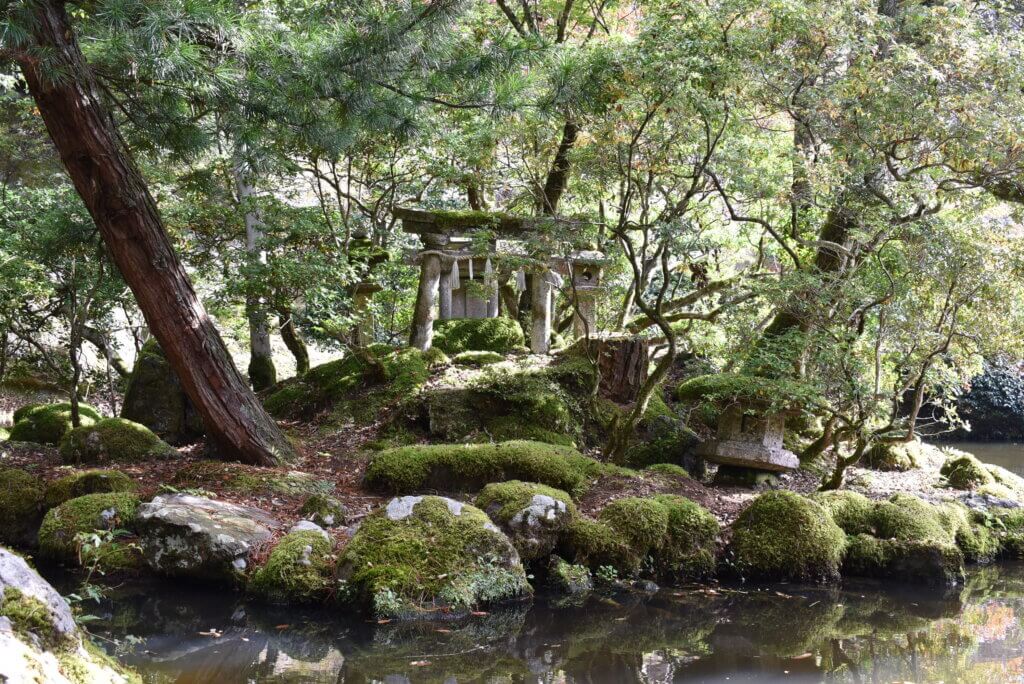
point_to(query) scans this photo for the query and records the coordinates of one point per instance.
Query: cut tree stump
(623, 362)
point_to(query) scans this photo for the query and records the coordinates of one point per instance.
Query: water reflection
(862, 633)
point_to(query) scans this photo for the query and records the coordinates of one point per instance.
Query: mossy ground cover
(113, 440)
(468, 467)
(86, 482)
(48, 423)
(431, 559)
(61, 525)
(299, 570)
(244, 479)
(21, 506)
(500, 335)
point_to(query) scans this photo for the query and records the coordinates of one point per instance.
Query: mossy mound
(324, 510)
(917, 562)
(299, 570)
(86, 482)
(1007, 485)
(477, 358)
(154, 398)
(501, 335)
(908, 518)
(114, 557)
(419, 555)
(894, 456)
(565, 578)
(784, 536)
(964, 471)
(673, 535)
(669, 469)
(468, 467)
(57, 535)
(379, 375)
(112, 440)
(21, 506)
(532, 515)
(510, 428)
(48, 423)
(247, 479)
(726, 388)
(852, 511)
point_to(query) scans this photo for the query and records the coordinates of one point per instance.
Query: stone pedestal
(363, 332)
(750, 438)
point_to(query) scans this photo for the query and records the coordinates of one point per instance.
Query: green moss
(468, 467)
(21, 506)
(299, 569)
(86, 482)
(502, 500)
(976, 533)
(113, 557)
(434, 558)
(113, 439)
(642, 522)
(917, 562)
(596, 544)
(246, 479)
(893, 456)
(532, 398)
(731, 387)
(670, 469)
(324, 510)
(262, 373)
(1011, 482)
(907, 518)
(48, 423)
(853, 512)
(4, 434)
(477, 358)
(688, 550)
(85, 514)
(964, 471)
(502, 335)
(30, 617)
(782, 535)
(435, 358)
(507, 428)
(567, 578)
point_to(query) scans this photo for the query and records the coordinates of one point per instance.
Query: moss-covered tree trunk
(293, 340)
(117, 198)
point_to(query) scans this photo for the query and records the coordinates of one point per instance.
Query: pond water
(1005, 454)
(782, 633)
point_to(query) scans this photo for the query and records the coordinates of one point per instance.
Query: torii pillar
(430, 277)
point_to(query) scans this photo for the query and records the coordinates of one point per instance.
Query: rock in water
(39, 641)
(155, 399)
(193, 536)
(532, 515)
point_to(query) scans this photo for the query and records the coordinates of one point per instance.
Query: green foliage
(430, 559)
(299, 570)
(477, 358)
(468, 467)
(59, 533)
(48, 423)
(21, 506)
(896, 456)
(113, 439)
(727, 388)
(500, 335)
(86, 482)
(782, 535)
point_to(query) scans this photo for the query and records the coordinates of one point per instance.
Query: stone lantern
(586, 269)
(750, 437)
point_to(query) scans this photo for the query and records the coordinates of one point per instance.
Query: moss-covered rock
(477, 358)
(419, 555)
(905, 517)
(468, 467)
(510, 428)
(1011, 483)
(155, 398)
(299, 570)
(893, 456)
(852, 511)
(597, 545)
(86, 482)
(112, 440)
(21, 507)
(669, 469)
(917, 562)
(246, 479)
(48, 423)
(964, 471)
(532, 515)
(501, 335)
(566, 578)
(435, 358)
(61, 526)
(782, 535)
(688, 550)
(324, 510)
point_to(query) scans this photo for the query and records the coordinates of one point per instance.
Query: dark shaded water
(862, 633)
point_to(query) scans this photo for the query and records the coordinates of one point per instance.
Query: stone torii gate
(447, 242)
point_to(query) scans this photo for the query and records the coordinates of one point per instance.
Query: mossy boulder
(86, 482)
(852, 511)
(299, 569)
(62, 525)
(596, 545)
(784, 536)
(113, 440)
(253, 480)
(324, 510)
(566, 578)
(21, 507)
(477, 358)
(905, 517)
(468, 467)
(964, 471)
(500, 335)
(893, 456)
(48, 423)
(421, 555)
(532, 515)
(155, 398)
(917, 562)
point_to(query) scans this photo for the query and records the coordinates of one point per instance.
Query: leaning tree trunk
(115, 193)
(292, 339)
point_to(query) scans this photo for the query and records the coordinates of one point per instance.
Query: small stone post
(430, 277)
(540, 312)
(444, 304)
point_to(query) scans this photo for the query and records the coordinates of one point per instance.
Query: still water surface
(1005, 454)
(784, 633)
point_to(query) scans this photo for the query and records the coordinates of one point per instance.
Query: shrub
(784, 536)
(298, 570)
(502, 335)
(48, 423)
(113, 439)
